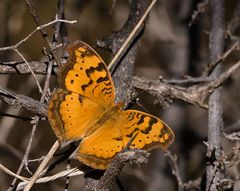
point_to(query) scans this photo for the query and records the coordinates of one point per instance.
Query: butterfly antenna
(133, 100)
(140, 105)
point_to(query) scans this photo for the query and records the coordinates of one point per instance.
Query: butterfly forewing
(71, 114)
(86, 73)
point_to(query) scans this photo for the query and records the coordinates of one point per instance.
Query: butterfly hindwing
(150, 131)
(98, 149)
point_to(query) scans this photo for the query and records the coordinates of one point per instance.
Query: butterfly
(83, 108)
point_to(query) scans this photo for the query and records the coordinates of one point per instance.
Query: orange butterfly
(83, 108)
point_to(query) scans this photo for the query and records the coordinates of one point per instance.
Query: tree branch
(215, 111)
(22, 101)
(194, 94)
(106, 182)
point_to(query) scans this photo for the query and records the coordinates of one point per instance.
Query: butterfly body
(108, 114)
(83, 108)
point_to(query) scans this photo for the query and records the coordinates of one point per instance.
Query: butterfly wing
(86, 73)
(151, 131)
(86, 90)
(98, 149)
(71, 115)
(79, 109)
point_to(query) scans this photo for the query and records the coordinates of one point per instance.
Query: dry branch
(20, 67)
(215, 102)
(22, 101)
(129, 35)
(106, 182)
(194, 94)
(190, 185)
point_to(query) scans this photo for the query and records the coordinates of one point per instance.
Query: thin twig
(42, 31)
(129, 38)
(201, 8)
(190, 185)
(175, 169)
(219, 59)
(42, 166)
(65, 173)
(33, 32)
(12, 173)
(46, 86)
(32, 72)
(44, 93)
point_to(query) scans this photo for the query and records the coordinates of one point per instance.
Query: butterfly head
(120, 105)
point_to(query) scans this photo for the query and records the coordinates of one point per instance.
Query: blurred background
(169, 47)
